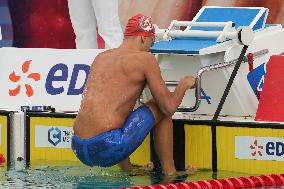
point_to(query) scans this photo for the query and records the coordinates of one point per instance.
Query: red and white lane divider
(230, 183)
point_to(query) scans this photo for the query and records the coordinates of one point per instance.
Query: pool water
(20, 175)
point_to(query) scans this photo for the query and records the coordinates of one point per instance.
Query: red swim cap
(139, 25)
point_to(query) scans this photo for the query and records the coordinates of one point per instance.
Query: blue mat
(182, 46)
(240, 16)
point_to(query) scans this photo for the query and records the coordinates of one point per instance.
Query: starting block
(209, 47)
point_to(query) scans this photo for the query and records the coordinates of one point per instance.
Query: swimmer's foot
(149, 166)
(177, 174)
(191, 169)
(141, 170)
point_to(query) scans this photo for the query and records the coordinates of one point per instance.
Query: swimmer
(106, 129)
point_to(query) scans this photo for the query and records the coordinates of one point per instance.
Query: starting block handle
(174, 29)
(244, 35)
(197, 95)
(231, 63)
(202, 24)
(194, 33)
(206, 69)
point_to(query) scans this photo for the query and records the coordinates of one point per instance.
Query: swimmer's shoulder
(142, 56)
(126, 55)
(105, 55)
(145, 60)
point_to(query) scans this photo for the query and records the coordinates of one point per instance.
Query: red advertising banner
(47, 24)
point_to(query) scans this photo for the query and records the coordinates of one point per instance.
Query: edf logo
(260, 148)
(54, 136)
(275, 148)
(56, 80)
(268, 148)
(59, 74)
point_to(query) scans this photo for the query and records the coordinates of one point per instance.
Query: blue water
(74, 176)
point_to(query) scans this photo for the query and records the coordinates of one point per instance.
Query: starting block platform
(210, 46)
(252, 17)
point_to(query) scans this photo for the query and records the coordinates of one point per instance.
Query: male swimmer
(106, 129)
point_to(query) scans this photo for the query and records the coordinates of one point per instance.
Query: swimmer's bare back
(116, 79)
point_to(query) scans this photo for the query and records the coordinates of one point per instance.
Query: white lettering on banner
(50, 77)
(53, 136)
(0, 133)
(259, 148)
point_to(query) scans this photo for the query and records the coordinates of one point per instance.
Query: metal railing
(199, 79)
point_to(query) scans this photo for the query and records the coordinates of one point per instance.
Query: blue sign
(259, 75)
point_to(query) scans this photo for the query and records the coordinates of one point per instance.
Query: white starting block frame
(228, 32)
(210, 42)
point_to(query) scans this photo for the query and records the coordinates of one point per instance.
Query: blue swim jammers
(111, 147)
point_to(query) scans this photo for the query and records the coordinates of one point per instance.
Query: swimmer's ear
(143, 39)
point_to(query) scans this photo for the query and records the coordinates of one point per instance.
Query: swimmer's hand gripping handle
(197, 95)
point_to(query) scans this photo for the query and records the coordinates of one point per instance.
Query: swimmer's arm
(166, 100)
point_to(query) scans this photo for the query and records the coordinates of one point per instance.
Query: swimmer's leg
(163, 142)
(163, 138)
